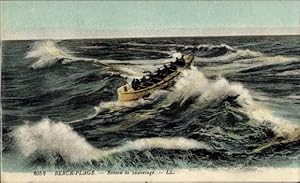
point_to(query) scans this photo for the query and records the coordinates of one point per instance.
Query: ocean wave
(289, 73)
(54, 137)
(160, 143)
(219, 53)
(270, 60)
(264, 64)
(59, 138)
(238, 56)
(207, 119)
(206, 92)
(296, 97)
(282, 127)
(133, 68)
(225, 129)
(193, 83)
(267, 62)
(48, 53)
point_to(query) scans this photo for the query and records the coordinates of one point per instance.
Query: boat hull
(126, 93)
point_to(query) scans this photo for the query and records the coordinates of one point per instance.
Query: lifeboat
(128, 92)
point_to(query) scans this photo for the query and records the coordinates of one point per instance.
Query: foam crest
(117, 106)
(221, 88)
(47, 53)
(274, 60)
(295, 72)
(194, 83)
(248, 53)
(210, 47)
(58, 137)
(281, 127)
(233, 56)
(161, 143)
(55, 137)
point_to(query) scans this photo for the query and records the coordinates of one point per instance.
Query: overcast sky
(76, 19)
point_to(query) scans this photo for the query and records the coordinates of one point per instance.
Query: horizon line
(153, 37)
(65, 34)
(149, 37)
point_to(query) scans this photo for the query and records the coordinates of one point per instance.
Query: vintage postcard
(150, 91)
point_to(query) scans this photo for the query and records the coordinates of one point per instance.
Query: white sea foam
(55, 137)
(210, 47)
(47, 53)
(233, 56)
(273, 60)
(290, 73)
(296, 97)
(282, 127)
(58, 137)
(161, 143)
(269, 60)
(193, 83)
(113, 106)
(245, 55)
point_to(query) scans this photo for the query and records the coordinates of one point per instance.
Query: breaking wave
(194, 83)
(204, 120)
(220, 53)
(53, 137)
(48, 53)
(224, 104)
(57, 137)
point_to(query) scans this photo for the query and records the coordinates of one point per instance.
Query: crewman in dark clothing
(137, 84)
(166, 70)
(160, 74)
(180, 61)
(146, 81)
(143, 79)
(133, 84)
(173, 67)
(163, 73)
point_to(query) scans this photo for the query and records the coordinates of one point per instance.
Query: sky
(88, 19)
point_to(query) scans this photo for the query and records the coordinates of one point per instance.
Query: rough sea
(239, 105)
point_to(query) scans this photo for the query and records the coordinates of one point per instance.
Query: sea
(238, 105)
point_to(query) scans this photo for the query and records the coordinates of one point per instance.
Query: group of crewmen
(160, 74)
